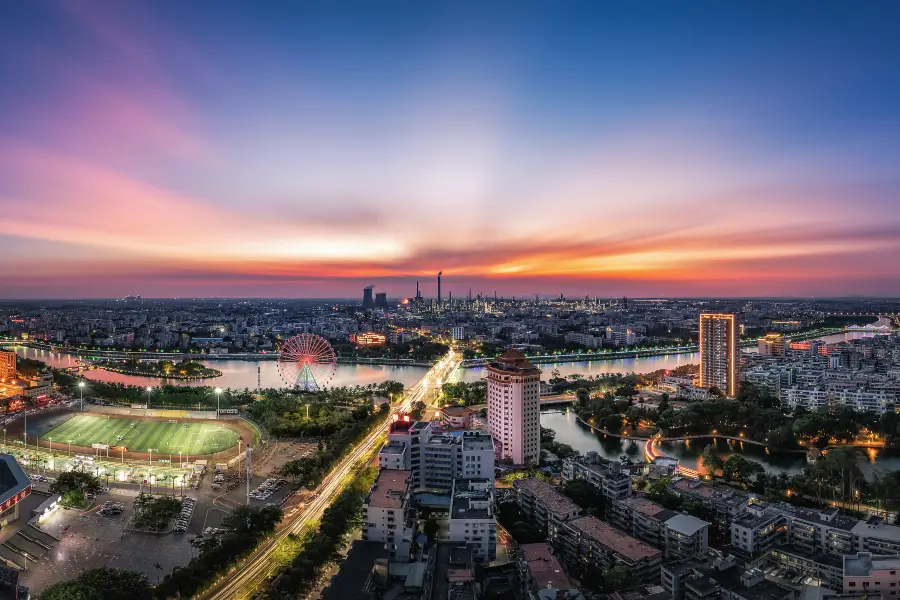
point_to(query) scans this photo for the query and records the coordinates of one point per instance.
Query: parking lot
(89, 540)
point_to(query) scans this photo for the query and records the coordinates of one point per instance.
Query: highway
(242, 580)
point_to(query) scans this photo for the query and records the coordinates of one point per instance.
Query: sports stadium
(136, 433)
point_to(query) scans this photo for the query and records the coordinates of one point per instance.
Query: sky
(305, 149)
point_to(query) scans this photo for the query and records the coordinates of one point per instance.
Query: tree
(431, 528)
(102, 584)
(711, 460)
(738, 468)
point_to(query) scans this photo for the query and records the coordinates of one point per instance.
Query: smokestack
(368, 301)
(439, 286)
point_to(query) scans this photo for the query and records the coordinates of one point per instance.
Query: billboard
(100, 446)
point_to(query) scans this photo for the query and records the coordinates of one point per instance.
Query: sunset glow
(179, 149)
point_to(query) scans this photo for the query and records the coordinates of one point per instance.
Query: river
(581, 437)
(241, 374)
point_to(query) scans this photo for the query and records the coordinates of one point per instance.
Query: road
(242, 580)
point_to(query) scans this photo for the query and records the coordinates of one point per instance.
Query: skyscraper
(719, 352)
(368, 301)
(514, 402)
(381, 299)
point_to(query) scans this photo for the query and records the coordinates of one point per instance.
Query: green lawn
(188, 437)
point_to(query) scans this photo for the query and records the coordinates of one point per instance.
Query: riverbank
(175, 373)
(245, 356)
(590, 355)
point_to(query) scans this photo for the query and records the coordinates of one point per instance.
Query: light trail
(242, 581)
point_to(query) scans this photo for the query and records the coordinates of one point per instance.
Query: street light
(218, 400)
(70, 447)
(149, 391)
(81, 391)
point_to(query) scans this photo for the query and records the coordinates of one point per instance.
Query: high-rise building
(513, 397)
(381, 300)
(368, 301)
(7, 364)
(719, 352)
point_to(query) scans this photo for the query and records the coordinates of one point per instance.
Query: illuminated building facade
(514, 399)
(7, 365)
(772, 345)
(719, 352)
(368, 338)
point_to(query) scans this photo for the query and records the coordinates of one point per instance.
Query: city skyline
(192, 150)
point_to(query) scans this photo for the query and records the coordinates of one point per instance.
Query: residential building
(472, 518)
(727, 503)
(771, 345)
(544, 506)
(588, 542)
(513, 398)
(684, 536)
(388, 517)
(436, 455)
(719, 352)
(607, 476)
(7, 364)
(542, 577)
(458, 417)
(867, 573)
(677, 535)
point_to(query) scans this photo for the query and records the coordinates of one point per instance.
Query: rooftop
(642, 592)
(13, 480)
(613, 539)
(553, 500)
(863, 563)
(877, 528)
(477, 440)
(472, 499)
(544, 568)
(389, 489)
(456, 411)
(686, 524)
(513, 361)
(643, 506)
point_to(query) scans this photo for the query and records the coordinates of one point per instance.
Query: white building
(472, 517)
(878, 401)
(388, 516)
(459, 333)
(435, 455)
(811, 398)
(583, 339)
(514, 403)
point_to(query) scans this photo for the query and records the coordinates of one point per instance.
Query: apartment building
(542, 576)
(436, 455)
(868, 573)
(544, 506)
(810, 398)
(727, 503)
(685, 536)
(608, 477)
(588, 542)
(388, 516)
(472, 517)
(877, 401)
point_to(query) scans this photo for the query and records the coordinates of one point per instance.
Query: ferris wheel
(306, 361)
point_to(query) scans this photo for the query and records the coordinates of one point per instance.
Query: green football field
(188, 437)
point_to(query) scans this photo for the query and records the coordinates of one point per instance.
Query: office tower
(368, 301)
(381, 299)
(7, 364)
(514, 392)
(719, 352)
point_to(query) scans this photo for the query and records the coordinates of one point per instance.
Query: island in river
(165, 369)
